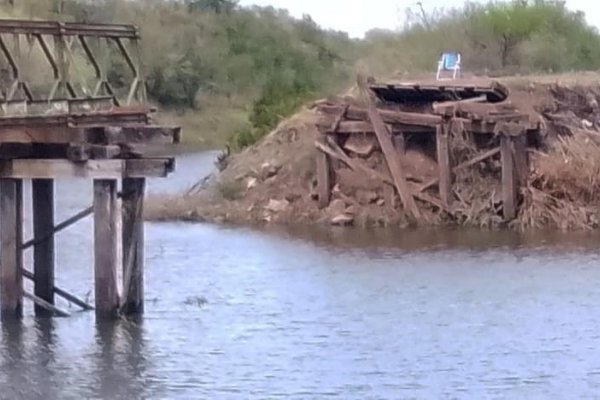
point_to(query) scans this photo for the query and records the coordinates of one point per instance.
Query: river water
(236, 313)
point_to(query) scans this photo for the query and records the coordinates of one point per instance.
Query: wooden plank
(141, 134)
(60, 227)
(509, 178)
(354, 113)
(444, 164)
(11, 278)
(79, 152)
(144, 150)
(106, 248)
(43, 251)
(62, 293)
(133, 246)
(391, 156)
(443, 107)
(49, 308)
(42, 134)
(91, 169)
(155, 168)
(50, 169)
(324, 175)
(521, 158)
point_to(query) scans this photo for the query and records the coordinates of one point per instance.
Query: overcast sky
(358, 16)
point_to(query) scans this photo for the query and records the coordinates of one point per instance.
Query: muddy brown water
(236, 313)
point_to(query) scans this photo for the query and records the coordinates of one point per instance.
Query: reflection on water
(311, 314)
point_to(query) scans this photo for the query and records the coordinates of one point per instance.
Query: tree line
(263, 63)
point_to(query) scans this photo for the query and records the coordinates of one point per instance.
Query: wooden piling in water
(43, 250)
(133, 246)
(11, 260)
(106, 247)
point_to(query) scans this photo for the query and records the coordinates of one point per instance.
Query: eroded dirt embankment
(275, 180)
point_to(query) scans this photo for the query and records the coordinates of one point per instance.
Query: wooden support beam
(49, 308)
(521, 158)
(60, 227)
(11, 233)
(43, 252)
(444, 164)
(324, 175)
(354, 113)
(141, 134)
(133, 246)
(509, 178)
(106, 248)
(391, 156)
(91, 169)
(62, 293)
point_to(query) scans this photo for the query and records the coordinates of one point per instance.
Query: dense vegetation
(232, 73)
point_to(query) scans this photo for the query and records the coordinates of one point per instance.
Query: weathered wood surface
(60, 227)
(444, 164)
(11, 234)
(49, 308)
(91, 169)
(509, 178)
(354, 113)
(133, 246)
(521, 159)
(391, 155)
(60, 134)
(63, 293)
(43, 251)
(106, 248)
(324, 175)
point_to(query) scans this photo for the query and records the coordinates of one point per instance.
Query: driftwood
(392, 157)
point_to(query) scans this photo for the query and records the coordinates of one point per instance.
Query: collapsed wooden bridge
(389, 115)
(61, 116)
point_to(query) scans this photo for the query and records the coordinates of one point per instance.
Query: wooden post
(323, 179)
(133, 246)
(509, 178)
(43, 251)
(106, 247)
(521, 158)
(11, 260)
(444, 164)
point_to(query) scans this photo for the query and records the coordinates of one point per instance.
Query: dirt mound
(275, 180)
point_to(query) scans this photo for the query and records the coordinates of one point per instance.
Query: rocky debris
(268, 170)
(277, 206)
(342, 220)
(251, 183)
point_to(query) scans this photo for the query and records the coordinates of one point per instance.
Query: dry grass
(565, 185)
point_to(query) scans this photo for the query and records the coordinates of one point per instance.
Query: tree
(217, 6)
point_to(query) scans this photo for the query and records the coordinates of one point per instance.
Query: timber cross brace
(63, 116)
(390, 113)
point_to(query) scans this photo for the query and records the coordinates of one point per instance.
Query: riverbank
(274, 182)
